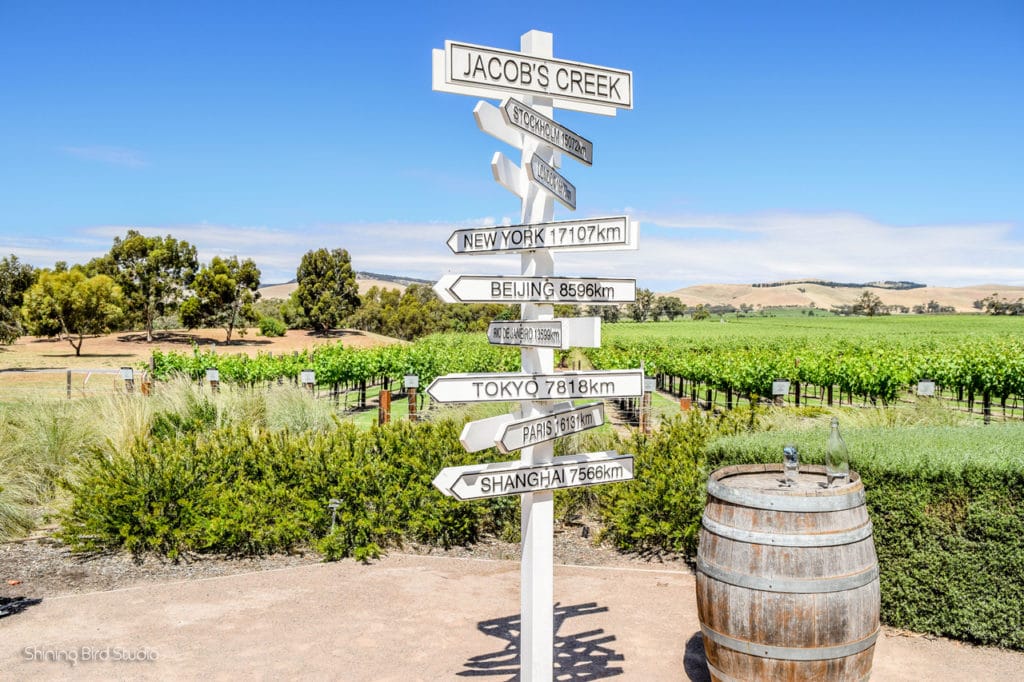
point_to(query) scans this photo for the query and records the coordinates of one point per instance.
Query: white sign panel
(479, 435)
(490, 72)
(307, 376)
(536, 124)
(212, 375)
(479, 481)
(497, 289)
(516, 435)
(780, 387)
(411, 381)
(547, 177)
(564, 333)
(127, 373)
(926, 388)
(476, 388)
(617, 233)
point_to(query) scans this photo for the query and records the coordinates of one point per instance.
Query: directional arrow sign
(521, 433)
(497, 289)
(478, 388)
(508, 174)
(489, 120)
(536, 124)
(478, 481)
(617, 233)
(547, 177)
(564, 333)
(479, 435)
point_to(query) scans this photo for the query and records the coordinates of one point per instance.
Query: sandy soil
(131, 348)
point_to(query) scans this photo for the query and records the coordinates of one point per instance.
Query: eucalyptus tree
(223, 295)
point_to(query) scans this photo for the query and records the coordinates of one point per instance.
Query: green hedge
(947, 505)
(239, 490)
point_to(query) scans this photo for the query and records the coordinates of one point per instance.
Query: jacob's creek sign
(505, 70)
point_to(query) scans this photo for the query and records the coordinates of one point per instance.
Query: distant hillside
(821, 294)
(365, 280)
(845, 285)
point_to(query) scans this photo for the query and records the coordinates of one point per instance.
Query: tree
(701, 312)
(15, 279)
(71, 305)
(868, 304)
(668, 306)
(223, 296)
(153, 273)
(640, 309)
(327, 288)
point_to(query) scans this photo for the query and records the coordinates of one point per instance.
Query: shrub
(660, 509)
(271, 326)
(244, 490)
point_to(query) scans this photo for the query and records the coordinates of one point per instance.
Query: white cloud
(675, 250)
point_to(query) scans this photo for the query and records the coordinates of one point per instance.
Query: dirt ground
(37, 367)
(131, 348)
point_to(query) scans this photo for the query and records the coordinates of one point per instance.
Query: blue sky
(845, 140)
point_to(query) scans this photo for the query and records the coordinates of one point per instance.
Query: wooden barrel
(787, 577)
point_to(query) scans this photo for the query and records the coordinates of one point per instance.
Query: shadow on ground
(580, 656)
(10, 606)
(694, 662)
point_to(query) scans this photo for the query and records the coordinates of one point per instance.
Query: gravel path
(43, 567)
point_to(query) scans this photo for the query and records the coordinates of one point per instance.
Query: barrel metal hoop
(787, 540)
(787, 653)
(719, 675)
(756, 500)
(789, 585)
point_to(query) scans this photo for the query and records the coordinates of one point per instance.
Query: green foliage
(660, 509)
(271, 326)
(153, 273)
(15, 279)
(874, 359)
(72, 305)
(244, 490)
(224, 293)
(418, 312)
(327, 291)
(947, 505)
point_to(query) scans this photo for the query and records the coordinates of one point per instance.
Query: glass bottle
(837, 457)
(790, 464)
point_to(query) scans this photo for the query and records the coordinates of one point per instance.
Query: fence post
(69, 384)
(384, 407)
(986, 406)
(796, 385)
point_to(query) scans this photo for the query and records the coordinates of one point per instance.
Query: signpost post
(539, 83)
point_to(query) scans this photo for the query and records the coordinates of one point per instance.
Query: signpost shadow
(580, 656)
(694, 661)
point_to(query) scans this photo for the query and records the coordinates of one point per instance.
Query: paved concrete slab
(404, 618)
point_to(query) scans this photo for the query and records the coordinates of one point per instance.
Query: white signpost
(499, 289)
(616, 233)
(518, 434)
(564, 333)
(540, 83)
(479, 481)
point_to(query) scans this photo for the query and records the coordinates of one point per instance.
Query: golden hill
(819, 295)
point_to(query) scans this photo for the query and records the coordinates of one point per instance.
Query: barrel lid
(762, 486)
